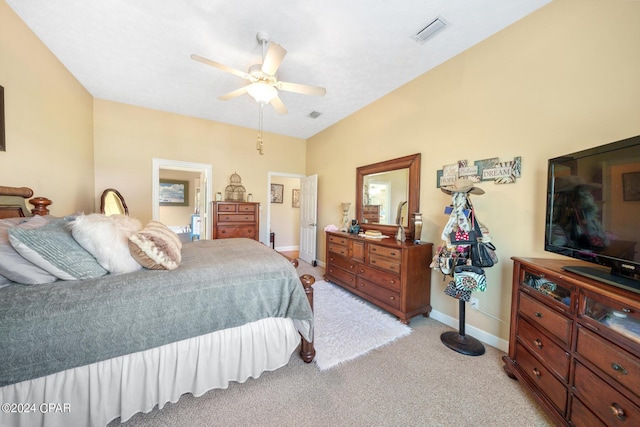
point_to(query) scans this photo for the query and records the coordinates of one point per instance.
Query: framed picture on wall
(276, 193)
(295, 198)
(631, 186)
(173, 193)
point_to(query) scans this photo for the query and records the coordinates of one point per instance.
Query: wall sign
(482, 170)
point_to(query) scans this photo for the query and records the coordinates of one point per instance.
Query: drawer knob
(393, 254)
(617, 411)
(373, 261)
(538, 314)
(392, 298)
(537, 373)
(537, 343)
(619, 369)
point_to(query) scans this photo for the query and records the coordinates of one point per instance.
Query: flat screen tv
(593, 212)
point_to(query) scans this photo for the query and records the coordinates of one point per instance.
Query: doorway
(292, 214)
(198, 200)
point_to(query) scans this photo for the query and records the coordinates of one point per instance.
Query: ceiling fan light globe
(262, 92)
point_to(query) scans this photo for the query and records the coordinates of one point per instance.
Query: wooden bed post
(40, 205)
(307, 351)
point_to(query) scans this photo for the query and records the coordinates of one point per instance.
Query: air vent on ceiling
(314, 114)
(430, 30)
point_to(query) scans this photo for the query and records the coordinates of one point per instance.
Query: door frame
(203, 168)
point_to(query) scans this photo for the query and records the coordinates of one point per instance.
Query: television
(593, 212)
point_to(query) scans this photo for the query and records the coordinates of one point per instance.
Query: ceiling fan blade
(278, 105)
(303, 89)
(273, 58)
(220, 66)
(233, 94)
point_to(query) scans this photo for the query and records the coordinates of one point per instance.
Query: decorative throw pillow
(53, 249)
(156, 247)
(107, 239)
(14, 266)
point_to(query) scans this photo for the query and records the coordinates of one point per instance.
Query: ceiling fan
(264, 85)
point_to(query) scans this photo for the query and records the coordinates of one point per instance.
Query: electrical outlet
(475, 304)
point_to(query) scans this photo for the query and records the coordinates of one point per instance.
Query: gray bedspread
(220, 284)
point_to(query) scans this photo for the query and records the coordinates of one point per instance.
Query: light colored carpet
(347, 327)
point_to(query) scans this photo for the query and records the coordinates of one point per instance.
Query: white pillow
(107, 239)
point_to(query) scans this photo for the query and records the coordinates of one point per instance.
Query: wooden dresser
(575, 344)
(236, 219)
(395, 277)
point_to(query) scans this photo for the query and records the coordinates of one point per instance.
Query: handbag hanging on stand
(468, 277)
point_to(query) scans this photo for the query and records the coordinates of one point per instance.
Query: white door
(308, 218)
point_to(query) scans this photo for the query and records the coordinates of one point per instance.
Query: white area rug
(347, 327)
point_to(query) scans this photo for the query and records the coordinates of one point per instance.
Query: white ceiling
(138, 51)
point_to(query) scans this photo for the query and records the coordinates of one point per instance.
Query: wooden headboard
(12, 202)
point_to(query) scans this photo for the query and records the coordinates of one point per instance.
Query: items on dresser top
(236, 219)
(575, 344)
(394, 276)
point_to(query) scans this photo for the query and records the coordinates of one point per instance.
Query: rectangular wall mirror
(387, 193)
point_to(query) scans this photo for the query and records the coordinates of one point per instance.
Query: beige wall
(562, 79)
(49, 123)
(127, 138)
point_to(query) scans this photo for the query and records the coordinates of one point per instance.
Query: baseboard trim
(483, 336)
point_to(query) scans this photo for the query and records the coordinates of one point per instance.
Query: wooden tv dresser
(575, 344)
(236, 219)
(394, 276)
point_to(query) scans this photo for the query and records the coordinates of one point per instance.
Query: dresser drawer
(554, 356)
(337, 239)
(541, 315)
(246, 208)
(384, 263)
(555, 391)
(615, 362)
(605, 401)
(581, 416)
(383, 251)
(383, 295)
(222, 207)
(342, 276)
(387, 280)
(342, 262)
(229, 232)
(228, 217)
(338, 249)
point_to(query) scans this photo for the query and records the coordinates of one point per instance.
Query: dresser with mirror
(393, 275)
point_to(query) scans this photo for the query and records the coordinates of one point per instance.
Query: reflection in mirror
(385, 197)
(388, 193)
(112, 203)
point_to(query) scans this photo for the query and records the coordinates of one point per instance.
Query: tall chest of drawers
(575, 344)
(236, 219)
(394, 276)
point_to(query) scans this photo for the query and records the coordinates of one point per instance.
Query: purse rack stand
(458, 341)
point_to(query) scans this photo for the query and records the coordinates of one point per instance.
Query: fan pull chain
(259, 143)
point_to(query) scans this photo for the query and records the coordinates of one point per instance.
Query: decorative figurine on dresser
(381, 264)
(465, 252)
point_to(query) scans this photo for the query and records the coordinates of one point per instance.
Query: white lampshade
(262, 92)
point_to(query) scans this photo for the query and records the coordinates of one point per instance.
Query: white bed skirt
(95, 394)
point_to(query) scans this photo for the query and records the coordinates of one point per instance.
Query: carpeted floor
(413, 381)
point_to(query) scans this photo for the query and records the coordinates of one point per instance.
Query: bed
(87, 351)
